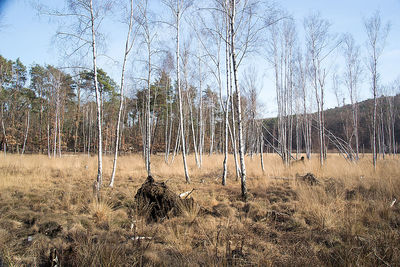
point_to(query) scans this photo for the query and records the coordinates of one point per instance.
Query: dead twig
(379, 258)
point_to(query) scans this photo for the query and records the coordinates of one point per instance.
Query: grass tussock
(48, 214)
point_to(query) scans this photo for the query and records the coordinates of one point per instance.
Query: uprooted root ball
(156, 201)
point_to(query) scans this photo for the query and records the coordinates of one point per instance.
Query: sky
(24, 35)
(30, 37)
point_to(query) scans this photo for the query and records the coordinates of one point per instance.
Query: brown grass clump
(189, 210)
(101, 212)
(48, 214)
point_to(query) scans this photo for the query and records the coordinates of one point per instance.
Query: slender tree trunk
(59, 135)
(201, 135)
(83, 129)
(41, 121)
(211, 130)
(166, 126)
(225, 164)
(297, 136)
(55, 133)
(170, 135)
(193, 131)
(99, 179)
(319, 113)
(389, 124)
(48, 140)
(142, 125)
(324, 147)
(321, 138)
(77, 117)
(148, 116)
(262, 149)
(178, 79)
(393, 121)
(382, 134)
(355, 125)
(121, 97)
(177, 142)
(374, 120)
(234, 144)
(26, 132)
(238, 101)
(90, 130)
(226, 139)
(4, 130)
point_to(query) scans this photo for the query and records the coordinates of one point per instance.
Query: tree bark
(26, 132)
(99, 179)
(227, 62)
(178, 79)
(4, 130)
(238, 101)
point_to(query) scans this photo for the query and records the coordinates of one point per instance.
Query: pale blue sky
(23, 34)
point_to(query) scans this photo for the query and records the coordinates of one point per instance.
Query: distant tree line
(45, 110)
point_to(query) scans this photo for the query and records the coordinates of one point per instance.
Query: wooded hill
(338, 121)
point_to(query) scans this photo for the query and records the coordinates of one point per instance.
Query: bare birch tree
(178, 8)
(217, 33)
(281, 57)
(320, 43)
(93, 21)
(251, 88)
(128, 47)
(81, 33)
(303, 95)
(352, 75)
(377, 33)
(148, 38)
(244, 29)
(228, 99)
(232, 26)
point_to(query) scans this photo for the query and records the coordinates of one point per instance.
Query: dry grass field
(48, 214)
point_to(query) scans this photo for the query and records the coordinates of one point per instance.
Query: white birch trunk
(225, 164)
(55, 134)
(238, 102)
(4, 131)
(48, 140)
(178, 17)
(26, 133)
(59, 135)
(193, 131)
(99, 179)
(166, 126)
(201, 134)
(121, 97)
(211, 130)
(262, 150)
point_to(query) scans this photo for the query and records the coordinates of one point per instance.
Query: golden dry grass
(47, 207)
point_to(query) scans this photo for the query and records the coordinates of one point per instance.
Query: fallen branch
(282, 178)
(379, 258)
(141, 238)
(393, 202)
(186, 194)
